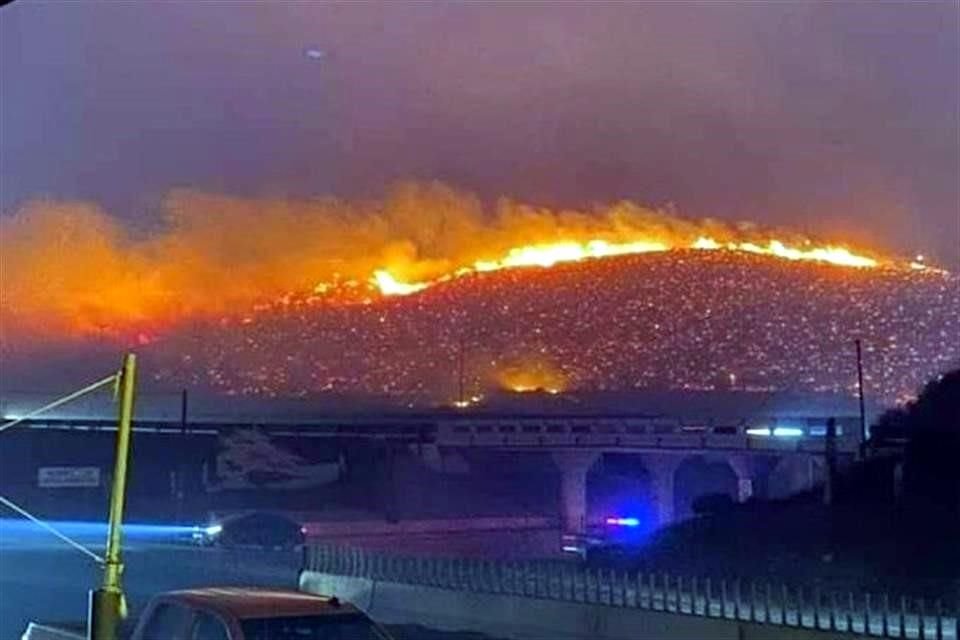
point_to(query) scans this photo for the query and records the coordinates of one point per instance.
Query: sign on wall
(64, 477)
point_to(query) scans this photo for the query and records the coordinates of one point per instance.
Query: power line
(61, 401)
(40, 523)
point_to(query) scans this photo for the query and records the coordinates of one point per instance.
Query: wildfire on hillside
(70, 270)
(549, 254)
(532, 375)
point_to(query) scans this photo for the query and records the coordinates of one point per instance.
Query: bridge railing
(868, 614)
(759, 434)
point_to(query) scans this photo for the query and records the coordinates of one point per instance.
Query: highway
(42, 578)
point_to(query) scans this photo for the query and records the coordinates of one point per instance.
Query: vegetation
(893, 525)
(930, 429)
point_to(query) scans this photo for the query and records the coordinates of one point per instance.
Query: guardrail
(760, 434)
(863, 613)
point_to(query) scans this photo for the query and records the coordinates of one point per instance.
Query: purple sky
(839, 118)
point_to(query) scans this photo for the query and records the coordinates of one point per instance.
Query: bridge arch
(794, 474)
(621, 485)
(701, 475)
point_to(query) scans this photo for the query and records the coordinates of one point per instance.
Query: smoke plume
(70, 269)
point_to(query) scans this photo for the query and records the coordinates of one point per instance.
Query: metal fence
(862, 613)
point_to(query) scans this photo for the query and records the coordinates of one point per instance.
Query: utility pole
(107, 604)
(830, 454)
(460, 356)
(182, 470)
(863, 411)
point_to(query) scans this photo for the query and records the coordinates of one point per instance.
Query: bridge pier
(744, 468)
(574, 466)
(663, 470)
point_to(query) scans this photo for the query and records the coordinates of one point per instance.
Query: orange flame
(69, 269)
(531, 375)
(548, 255)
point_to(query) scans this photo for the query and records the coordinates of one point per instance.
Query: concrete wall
(523, 618)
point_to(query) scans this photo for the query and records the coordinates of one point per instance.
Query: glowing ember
(529, 375)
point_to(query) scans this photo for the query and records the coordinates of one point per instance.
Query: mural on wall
(251, 459)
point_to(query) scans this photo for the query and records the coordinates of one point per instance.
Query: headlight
(213, 529)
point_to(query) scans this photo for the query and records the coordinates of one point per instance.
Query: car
(236, 613)
(245, 613)
(256, 529)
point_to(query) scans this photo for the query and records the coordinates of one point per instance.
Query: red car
(244, 613)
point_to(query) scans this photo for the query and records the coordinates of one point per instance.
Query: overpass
(749, 432)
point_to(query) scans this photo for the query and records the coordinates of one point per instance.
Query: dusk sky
(836, 118)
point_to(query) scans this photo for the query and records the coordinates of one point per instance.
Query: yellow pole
(106, 604)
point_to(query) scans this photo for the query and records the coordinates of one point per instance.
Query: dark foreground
(42, 579)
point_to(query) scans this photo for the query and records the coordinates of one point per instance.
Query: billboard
(68, 477)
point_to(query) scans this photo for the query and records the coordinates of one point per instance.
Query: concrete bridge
(770, 444)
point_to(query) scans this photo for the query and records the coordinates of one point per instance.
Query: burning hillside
(282, 297)
(69, 270)
(681, 319)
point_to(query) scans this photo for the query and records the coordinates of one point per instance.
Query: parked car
(256, 529)
(238, 613)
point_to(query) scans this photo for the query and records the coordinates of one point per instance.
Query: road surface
(43, 579)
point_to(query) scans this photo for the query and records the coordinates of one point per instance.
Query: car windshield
(335, 627)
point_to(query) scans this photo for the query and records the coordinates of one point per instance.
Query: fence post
(667, 592)
(801, 606)
(678, 585)
(708, 597)
(662, 591)
(833, 611)
(784, 604)
(767, 602)
(903, 616)
(736, 602)
(885, 608)
(693, 596)
(851, 608)
(867, 613)
(654, 597)
(723, 598)
(817, 597)
(938, 611)
(921, 619)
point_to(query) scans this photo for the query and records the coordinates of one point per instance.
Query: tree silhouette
(930, 428)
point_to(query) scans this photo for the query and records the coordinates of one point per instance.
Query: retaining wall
(523, 618)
